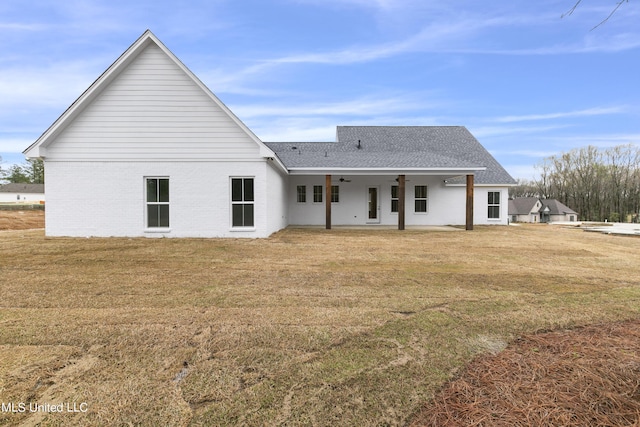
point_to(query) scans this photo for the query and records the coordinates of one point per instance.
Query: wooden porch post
(469, 202)
(401, 197)
(328, 201)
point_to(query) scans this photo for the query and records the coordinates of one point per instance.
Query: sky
(527, 82)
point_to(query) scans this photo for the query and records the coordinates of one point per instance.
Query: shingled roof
(556, 207)
(22, 188)
(522, 205)
(526, 205)
(415, 148)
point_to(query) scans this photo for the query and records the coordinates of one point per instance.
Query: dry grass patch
(21, 220)
(348, 327)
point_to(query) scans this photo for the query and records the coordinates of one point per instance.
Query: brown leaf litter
(583, 377)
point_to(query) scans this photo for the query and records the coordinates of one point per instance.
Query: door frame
(375, 220)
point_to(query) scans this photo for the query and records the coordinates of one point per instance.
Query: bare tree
(524, 188)
(599, 184)
(615, 9)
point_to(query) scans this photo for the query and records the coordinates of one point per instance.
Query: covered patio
(382, 198)
(394, 175)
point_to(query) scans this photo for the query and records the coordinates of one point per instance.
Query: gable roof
(38, 148)
(522, 205)
(556, 207)
(451, 150)
(22, 188)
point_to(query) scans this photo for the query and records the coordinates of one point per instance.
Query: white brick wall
(446, 204)
(108, 198)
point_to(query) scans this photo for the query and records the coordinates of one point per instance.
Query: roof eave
(383, 171)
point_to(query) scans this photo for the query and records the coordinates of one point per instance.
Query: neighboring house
(21, 193)
(149, 150)
(533, 209)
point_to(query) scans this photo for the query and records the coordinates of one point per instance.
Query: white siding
(480, 208)
(153, 110)
(21, 197)
(277, 208)
(108, 198)
(446, 205)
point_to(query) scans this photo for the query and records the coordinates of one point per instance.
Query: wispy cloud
(590, 44)
(364, 106)
(598, 111)
(435, 37)
(598, 140)
(13, 145)
(298, 121)
(19, 26)
(46, 86)
(484, 131)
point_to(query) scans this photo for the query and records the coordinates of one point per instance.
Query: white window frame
(395, 199)
(147, 203)
(494, 205)
(335, 194)
(321, 194)
(301, 190)
(242, 202)
(426, 200)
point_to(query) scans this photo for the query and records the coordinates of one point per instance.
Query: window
(421, 198)
(394, 198)
(317, 194)
(335, 194)
(493, 204)
(157, 202)
(302, 194)
(242, 202)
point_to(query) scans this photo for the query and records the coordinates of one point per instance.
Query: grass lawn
(308, 327)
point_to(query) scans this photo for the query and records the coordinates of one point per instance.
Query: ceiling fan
(342, 179)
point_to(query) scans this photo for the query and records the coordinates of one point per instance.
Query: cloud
(494, 131)
(434, 37)
(365, 106)
(562, 115)
(10, 146)
(296, 121)
(48, 86)
(521, 171)
(318, 128)
(18, 26)
(598, 140)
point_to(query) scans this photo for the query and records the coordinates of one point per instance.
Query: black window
(317, 194)
(157, 202)
(302, 193)
(394, 198)
(493, 205)
(421, 198)
(242, 202)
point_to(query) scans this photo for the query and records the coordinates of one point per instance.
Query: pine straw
(583, 377)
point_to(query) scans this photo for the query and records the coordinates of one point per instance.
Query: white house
(149, 150)
(21, 193)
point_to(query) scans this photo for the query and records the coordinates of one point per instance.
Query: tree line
(30, 172)
(600, 184)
